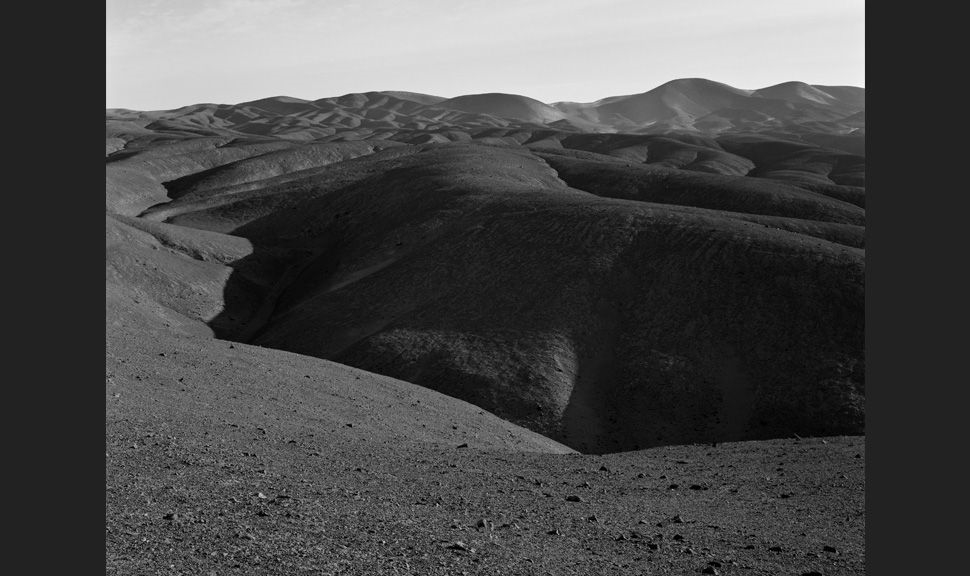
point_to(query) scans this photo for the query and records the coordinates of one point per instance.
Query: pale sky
(162, 54)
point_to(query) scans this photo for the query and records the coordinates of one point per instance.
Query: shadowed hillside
(611, 291)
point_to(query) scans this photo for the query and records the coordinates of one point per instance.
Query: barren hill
(344, 320)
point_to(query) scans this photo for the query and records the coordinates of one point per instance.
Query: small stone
(262, 513)
(261, 496)
(698, 487)
(714, 563)
(775, 549)
(829, 549)
(573, 498)
(678, 537)
(555, 532)
(812, 573)
(171, 516)
(672, 487)
(463, 445)
(604, 469)
(459, 545)
(677, 519)
(709, 570)
(652, 546)
(592, 518)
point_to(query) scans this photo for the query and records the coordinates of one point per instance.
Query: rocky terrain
(402, 334)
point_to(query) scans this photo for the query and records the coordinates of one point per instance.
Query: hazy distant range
(791, 109)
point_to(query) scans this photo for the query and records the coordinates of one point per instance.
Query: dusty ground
(231, 471)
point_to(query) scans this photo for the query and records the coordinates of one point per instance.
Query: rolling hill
(390, 332)
(611, 291)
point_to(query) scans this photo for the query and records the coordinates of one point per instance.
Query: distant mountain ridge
(684, 105)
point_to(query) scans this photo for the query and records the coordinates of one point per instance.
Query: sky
(163, 54)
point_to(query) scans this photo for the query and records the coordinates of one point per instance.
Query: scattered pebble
(463, 445)
(677, 519)
(829, 549)
(573, 498)
(709, 570)
(775, 549)
(459, 545)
